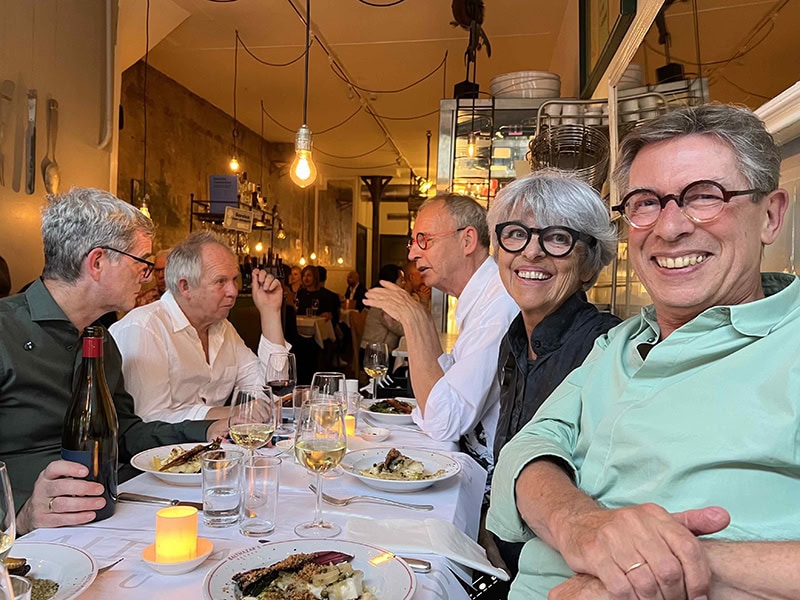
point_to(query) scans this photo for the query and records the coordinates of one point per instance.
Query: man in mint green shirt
(683, 421)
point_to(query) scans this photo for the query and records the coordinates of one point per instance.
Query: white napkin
(429, 536)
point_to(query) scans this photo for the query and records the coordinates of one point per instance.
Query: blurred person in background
(354, 294)
(416, 286)
(294, 284)
(380, 327)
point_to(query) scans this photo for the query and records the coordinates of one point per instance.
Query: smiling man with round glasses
(666, 466)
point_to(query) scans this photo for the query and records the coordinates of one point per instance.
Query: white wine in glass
(376, 363)
(8, 524)
(252, 418)
(320, 443)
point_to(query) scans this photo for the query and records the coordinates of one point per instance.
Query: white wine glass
(281, 379)
(8, 524)
(376, 364)
(320, 444)
(252, 418)
(315, 306)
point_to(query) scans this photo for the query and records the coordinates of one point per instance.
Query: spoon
(50, 172)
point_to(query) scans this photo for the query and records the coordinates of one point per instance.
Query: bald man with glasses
(457, 393)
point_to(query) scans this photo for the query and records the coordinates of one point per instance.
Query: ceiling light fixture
(234, 164)
(303, 170)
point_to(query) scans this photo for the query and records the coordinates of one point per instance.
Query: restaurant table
(344, 315)
(316, 327)
(132, 528)
(447, 341)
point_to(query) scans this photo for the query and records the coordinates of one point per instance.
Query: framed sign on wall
(603, 24)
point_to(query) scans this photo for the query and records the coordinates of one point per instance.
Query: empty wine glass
(320, 444)
(8, 525)
(376, 363)
(252, 418)
(281, 379)
(328, 383)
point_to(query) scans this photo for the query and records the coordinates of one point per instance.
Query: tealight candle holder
(350, 424)
(177, 548)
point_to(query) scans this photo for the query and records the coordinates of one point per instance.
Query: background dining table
(318, 328)
(132, 527)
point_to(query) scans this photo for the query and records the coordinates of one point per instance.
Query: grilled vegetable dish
(311, 576)
(392, 406)
(400, 467)
(184, 461)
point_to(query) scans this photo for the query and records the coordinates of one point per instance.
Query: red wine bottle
(91, 430)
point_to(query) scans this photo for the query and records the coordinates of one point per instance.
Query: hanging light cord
(428, 157)
(338, 72)
(308, 48)
(144, 96)
(235, 81)
(264, 62)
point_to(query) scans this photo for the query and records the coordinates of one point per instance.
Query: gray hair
(82, 219)
(737, 127)
(553, 197)
(465, 212)
(185, 260)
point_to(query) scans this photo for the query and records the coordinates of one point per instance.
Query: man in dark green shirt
(95, 247)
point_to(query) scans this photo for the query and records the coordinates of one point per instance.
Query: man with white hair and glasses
(666, 466)
(97, 253)
(456, 393)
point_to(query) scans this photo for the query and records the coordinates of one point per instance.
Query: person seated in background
(380, 327)
(96, 255)
(416, 286)
(293, 286)
(327, 303)
(153, 290)
(551, 236)
(355, 291)
(5, 278)
(682, 421)
(181, 356)
(457, 393)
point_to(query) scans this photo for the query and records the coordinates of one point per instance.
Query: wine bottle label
(83, 457)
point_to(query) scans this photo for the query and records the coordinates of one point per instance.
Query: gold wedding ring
(50, 505)
(634, 566)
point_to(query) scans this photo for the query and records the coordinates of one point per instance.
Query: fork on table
(374, 499)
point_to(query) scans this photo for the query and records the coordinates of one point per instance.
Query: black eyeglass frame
(423, 239)
(574, 233)
(680, 200)
(149, 264)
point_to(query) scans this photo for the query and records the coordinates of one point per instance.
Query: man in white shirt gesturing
(181, 357)
(456, 393)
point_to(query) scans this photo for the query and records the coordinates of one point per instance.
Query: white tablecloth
(317, 327)
(132, 528)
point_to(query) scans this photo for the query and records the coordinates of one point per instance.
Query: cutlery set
(51, 176)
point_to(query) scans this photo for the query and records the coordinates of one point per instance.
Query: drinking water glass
(222, 494)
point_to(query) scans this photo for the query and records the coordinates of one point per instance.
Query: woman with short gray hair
(551, 236)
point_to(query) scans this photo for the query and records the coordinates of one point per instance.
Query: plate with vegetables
(399, 469)
(390, 411)
(334, 569)
(178, 464)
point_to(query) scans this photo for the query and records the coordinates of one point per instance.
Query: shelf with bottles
(202, 211)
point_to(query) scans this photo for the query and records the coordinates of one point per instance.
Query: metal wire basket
(581, 149)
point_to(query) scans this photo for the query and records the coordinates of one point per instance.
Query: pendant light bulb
(472, 145)
(234, 164)
(303, 171)
(302, 261)
(259, 247)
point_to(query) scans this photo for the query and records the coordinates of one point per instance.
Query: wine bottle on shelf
(91, 431)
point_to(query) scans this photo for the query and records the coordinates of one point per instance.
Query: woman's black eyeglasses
(555, 241)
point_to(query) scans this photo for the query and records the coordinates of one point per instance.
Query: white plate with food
(71, 568)
(185, 475)
(384, 576)
(389, 411)
(399, 469)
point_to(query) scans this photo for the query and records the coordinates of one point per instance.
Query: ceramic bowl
(374, 434)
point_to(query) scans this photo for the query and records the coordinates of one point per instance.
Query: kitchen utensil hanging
(50, 172)
(30, 145)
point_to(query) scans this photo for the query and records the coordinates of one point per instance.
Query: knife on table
(30, 145)
(131, 497)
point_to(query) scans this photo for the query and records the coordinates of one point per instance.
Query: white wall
(57, 48)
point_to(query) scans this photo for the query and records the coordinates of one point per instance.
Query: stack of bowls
(632, 77)
(526, 84)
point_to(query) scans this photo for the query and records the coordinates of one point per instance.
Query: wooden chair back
(357, 322)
